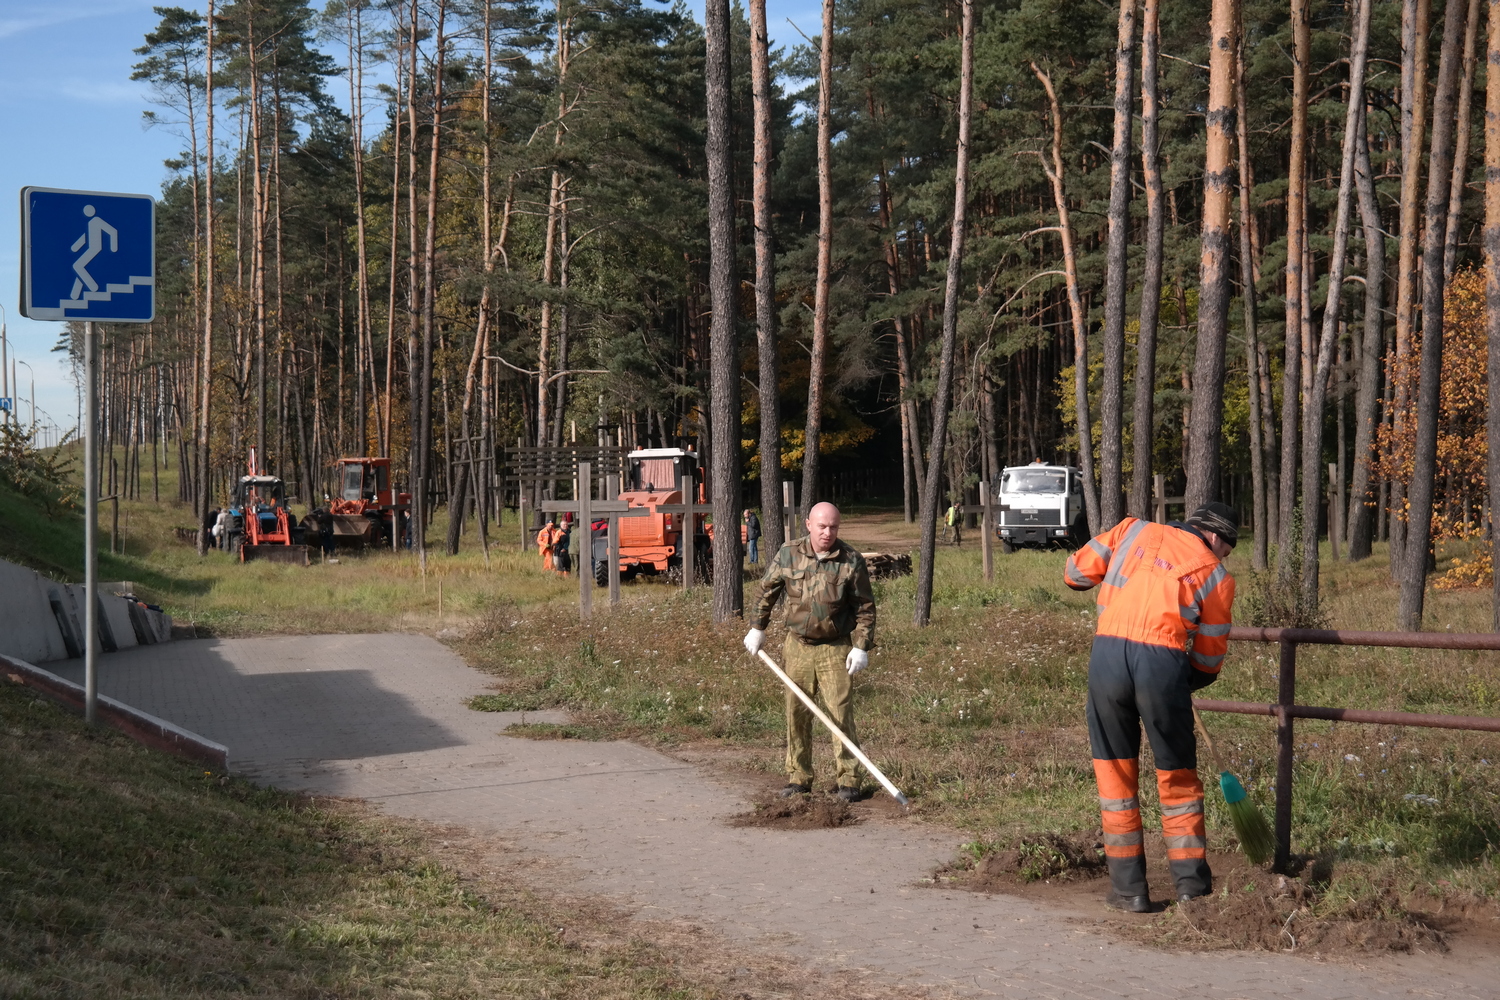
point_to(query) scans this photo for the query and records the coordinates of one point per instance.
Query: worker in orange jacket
(1164, 612)
(546, 541)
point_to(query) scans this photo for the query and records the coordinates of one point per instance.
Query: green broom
(1256, 838)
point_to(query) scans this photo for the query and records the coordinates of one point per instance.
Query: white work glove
(754, 639)
(857, 660)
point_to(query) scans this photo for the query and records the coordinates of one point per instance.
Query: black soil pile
(800, 812)
(1251, 909)
(1282, 914)
(1044, 858)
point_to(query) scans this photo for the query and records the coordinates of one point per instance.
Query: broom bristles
(1254, 833)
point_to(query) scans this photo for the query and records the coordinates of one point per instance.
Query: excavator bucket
(352, 529)
(296, 555)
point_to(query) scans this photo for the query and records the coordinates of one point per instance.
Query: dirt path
(382, 717)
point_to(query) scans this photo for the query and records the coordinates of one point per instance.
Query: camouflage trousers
(820, 671)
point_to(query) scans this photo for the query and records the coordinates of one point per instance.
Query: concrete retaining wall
(42, 620)
(140, 726)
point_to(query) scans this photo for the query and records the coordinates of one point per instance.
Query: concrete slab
(115, 629)
(28, 628)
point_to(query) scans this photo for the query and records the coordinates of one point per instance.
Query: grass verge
(126, 873)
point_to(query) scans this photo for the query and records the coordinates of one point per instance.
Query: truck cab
(1040, 506)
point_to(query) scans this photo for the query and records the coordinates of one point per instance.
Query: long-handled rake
(823, 718)
(1250, 826)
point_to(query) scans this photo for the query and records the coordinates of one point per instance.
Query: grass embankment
(126, 873)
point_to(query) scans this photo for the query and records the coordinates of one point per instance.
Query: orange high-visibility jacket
(1158, 585)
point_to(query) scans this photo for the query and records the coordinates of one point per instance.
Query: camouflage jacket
(826, 599)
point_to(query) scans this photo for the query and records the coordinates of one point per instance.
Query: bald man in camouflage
(830, 626)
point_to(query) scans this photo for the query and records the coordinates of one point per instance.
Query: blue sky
(71, 118)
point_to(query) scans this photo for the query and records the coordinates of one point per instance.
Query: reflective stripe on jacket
(1159, 584)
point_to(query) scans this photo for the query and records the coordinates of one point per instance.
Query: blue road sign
(4, 404)
(88, 255)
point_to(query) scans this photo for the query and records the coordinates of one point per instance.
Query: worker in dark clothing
(752, 535)
(1164, 613)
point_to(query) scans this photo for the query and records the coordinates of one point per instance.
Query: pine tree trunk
(1207, 428)
(812, 436)
(940, 407)
(1414, 30)
(1312, 424)
(362, 263)
(205, 422)
(1261, 546)
(1076, 310)
(724, 341)
(1492, 286)
(772, 529)
(1143, 419)
(1112, 398)
(1296, 252)
(429, 286)
(1424, 454)
(1461, 143)
(1362, 497)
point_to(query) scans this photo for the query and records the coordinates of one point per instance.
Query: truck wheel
(1007, 547)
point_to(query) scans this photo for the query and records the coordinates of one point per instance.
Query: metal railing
(1285, 708)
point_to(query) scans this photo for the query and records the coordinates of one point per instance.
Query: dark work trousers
(1133, 684)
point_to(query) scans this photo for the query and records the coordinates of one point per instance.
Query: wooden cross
(986, 531)
(689, 526)
(788, 510)
(587, 508)
(1160, 500)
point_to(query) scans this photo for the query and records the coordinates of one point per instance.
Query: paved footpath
(382, 717)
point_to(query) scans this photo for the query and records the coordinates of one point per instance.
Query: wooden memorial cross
(587, 508)
(987, 531)
(689, 526)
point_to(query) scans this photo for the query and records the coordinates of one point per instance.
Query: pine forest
(1243, 246)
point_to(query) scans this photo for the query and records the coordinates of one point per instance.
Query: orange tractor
(367, 511)
(651, 544)
(262, 527)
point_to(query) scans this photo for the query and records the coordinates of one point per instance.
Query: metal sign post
(90, 256)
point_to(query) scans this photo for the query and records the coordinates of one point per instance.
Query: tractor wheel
(236, 538)
(601, 572)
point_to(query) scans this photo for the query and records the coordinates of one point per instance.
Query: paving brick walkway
(382, 717)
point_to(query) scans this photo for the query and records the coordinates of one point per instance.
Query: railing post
(1285, 699)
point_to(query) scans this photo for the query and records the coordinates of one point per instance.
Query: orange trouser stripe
(1119, 808)
(1182, 823)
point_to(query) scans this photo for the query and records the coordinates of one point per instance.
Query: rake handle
(812, 706)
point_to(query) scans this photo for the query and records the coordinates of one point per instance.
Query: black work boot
(1127, 882)
(1193, 878)
(849, 793)
(791, 791)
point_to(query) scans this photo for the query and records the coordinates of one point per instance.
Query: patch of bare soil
(800, 812)
(1251, 908)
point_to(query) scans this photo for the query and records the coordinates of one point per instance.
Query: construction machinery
(261, 524)
(368, 510)
(652, 544)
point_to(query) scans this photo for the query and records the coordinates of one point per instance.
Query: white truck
(1040, 506)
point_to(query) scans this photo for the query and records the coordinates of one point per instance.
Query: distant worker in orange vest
(546, 540)
(1164, 614)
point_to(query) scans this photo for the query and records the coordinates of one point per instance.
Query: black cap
(1220, 518)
